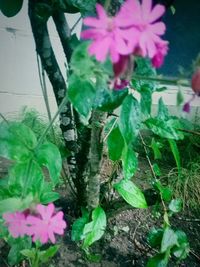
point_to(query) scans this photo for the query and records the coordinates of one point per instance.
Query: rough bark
(49, 62)
(95, 159)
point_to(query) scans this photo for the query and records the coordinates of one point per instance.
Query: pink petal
(51, 236)
(100, 48)
(151, 48)
(113, 53)
(146, 8)
(158, 28)
(101, 12)
(156, 13)
(120, 45)
(92, 34)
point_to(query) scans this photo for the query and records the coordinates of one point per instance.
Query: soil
(124, 243)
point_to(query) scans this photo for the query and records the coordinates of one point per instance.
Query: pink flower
(43, 226)
(120, 84)
(141, 18)
(108, 38)
(161, 52)
(16, 223)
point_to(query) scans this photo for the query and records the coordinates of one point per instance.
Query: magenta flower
(195, 82)
(107, 36)
(45, 224)
(16, 223)
(161, 52)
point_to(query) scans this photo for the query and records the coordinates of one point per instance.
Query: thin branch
(75, 24)
(106, 136)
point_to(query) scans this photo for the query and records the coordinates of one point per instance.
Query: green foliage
(49, 156)
(78, 226)
(83, 5)
(131, 194)
(175, 152)
(176, 205)
(13, 204)
(129, 121)
(10, 8)
(17, 244)
(154, 237)
(94, 230)
(129, 162)
(115, 143)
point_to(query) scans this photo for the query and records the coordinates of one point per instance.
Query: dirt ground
(124, 243)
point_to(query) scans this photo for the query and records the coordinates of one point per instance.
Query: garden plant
(104, 106)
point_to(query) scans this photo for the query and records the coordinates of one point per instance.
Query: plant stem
(173, 81)
(107, 4)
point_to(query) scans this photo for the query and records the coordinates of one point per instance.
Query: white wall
(19, 79)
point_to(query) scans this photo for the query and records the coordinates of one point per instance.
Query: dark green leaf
(115, 143)
(169, 239)
(48, 155)
(82, 94)
(129, 162)
(179, 98)
(156, 149)
(78, 226)
(160, 260)
(84, 6)
(129, 121)
(10, 7)
(176, 154)
(94, 230)
(131, 193)
(165, 191)
(16, 141)
(156, 169)
(176, 205)
(154, 238)
(167, 129)
(106, 99)
(163, 113)
(146, 100)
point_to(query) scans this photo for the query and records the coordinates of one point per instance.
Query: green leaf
(169, 239)
(131, 193)
(176, 154)
(10, 8)
(78, 226)
(17, 245)
(179, 98)
(165, 191)
(163, 113)
(160, 260)
(15, 204)
(115, 143)
(106, 99)
(29, 253)
(156, 149)
(146, 100)
(94, 230)
(167, 129)
(49, 253)
(156, 169)
(181, 251)
(49, 156)
(18, 178)
(129, 162)
(16, 141)
(176, 205)
(84, 6)
(81, 94)
(48, 197)
(154, 237)
(129, 121)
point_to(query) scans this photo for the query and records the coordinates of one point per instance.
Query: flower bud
(196, 82)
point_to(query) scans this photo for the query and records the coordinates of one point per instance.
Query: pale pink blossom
(143, 19)
(16, 223)
(45, 224)
(107, 36)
